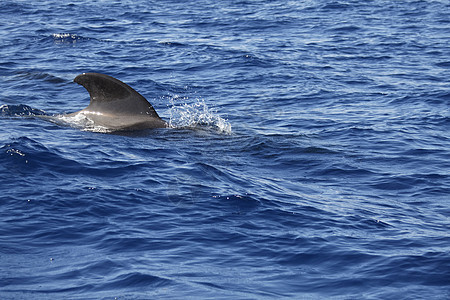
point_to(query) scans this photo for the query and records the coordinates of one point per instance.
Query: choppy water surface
(308, 154)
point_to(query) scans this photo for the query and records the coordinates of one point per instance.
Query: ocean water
(308, 155)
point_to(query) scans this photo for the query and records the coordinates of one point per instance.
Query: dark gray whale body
(115, 105)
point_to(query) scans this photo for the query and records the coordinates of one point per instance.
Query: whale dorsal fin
(111, 96)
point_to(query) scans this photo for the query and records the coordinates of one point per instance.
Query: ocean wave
(307, 157)
(36, 75)
(20, 110)
(26, 155)
(70, 38)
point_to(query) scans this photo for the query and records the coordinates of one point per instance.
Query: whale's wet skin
(301, 150)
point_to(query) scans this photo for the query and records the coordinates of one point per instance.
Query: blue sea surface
(308, 154)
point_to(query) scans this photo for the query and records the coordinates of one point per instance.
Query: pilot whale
(115, 105)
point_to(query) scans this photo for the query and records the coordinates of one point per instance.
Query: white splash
(64, 35)
(196, 115)
(80, 121)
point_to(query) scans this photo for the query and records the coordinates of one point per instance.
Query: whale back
(116, 105)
